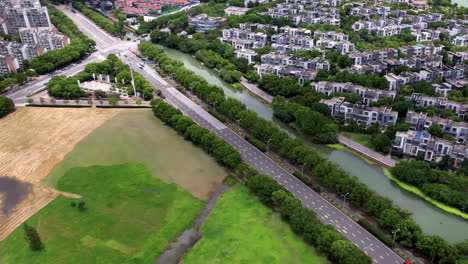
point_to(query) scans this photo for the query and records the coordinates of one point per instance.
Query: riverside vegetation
(389, 217)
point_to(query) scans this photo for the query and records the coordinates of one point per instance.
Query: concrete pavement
(374, 155)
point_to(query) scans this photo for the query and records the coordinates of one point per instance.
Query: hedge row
(302, 220)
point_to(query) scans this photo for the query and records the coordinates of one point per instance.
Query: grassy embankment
(363, 139)
(243, 230)
(418, 192)
(130, 217)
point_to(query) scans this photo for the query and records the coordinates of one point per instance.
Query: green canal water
(433, 220)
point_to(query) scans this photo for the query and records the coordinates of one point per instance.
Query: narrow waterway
(433, 220)
(189, 238)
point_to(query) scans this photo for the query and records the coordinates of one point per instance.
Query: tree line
(443, 186)
(390, 217)
(105, 23)
(303, 221)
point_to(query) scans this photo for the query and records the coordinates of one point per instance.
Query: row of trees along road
(389, 217)
(325, 238)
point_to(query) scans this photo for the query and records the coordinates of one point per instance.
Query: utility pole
(394, 236)
(133, 82)
(344, 199)
(268, 145)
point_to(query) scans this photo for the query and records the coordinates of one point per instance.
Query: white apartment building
(368, 95)
(362, 114)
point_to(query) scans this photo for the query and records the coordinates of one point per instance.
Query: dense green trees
(67, 88)
(446, 187)
(100, 20)
(304, 222)
(222, 151)
(6, 106)
(275, 85)
(33, 238)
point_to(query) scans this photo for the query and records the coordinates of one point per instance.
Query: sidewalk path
(384, 160)
(257, 91)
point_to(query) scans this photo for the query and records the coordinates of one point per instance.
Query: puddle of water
(190, 237)
(13, 192)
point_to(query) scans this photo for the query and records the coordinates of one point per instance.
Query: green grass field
(242, 230)
(130, 218)
(362, 139)
(138, 136)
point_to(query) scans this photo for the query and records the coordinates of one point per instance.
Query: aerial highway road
(326, 212)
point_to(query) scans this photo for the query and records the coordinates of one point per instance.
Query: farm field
(137, 136)
(130, 216)
(242, 230)
(35, 139)
(32, 142)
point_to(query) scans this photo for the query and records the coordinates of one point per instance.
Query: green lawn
(130, 217)
(242, 230)
(362, 139)
(138, 136)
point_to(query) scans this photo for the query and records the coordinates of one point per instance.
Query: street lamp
(238, 123)
(302, 169)
(344, 199)
(394, 236)
(268, 145)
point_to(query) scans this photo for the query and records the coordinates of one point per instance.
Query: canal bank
(433, 220)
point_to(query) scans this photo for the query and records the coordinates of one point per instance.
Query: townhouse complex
(29, 20)
(362, 114)
(420, 143)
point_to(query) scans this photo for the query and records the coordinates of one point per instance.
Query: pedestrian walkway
(369, 153)
(257, 91)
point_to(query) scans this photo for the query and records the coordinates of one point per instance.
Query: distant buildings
(368, 95)
(432, 149)
(236, 11)
(23, 14)
(362, 114)
(145, 7)
(421, 121)
(31, 21)
(204, 23)
(47, 37)
(8, 64)
(441, 103)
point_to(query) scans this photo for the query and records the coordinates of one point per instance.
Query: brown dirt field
(34, 140)
(38, 198)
